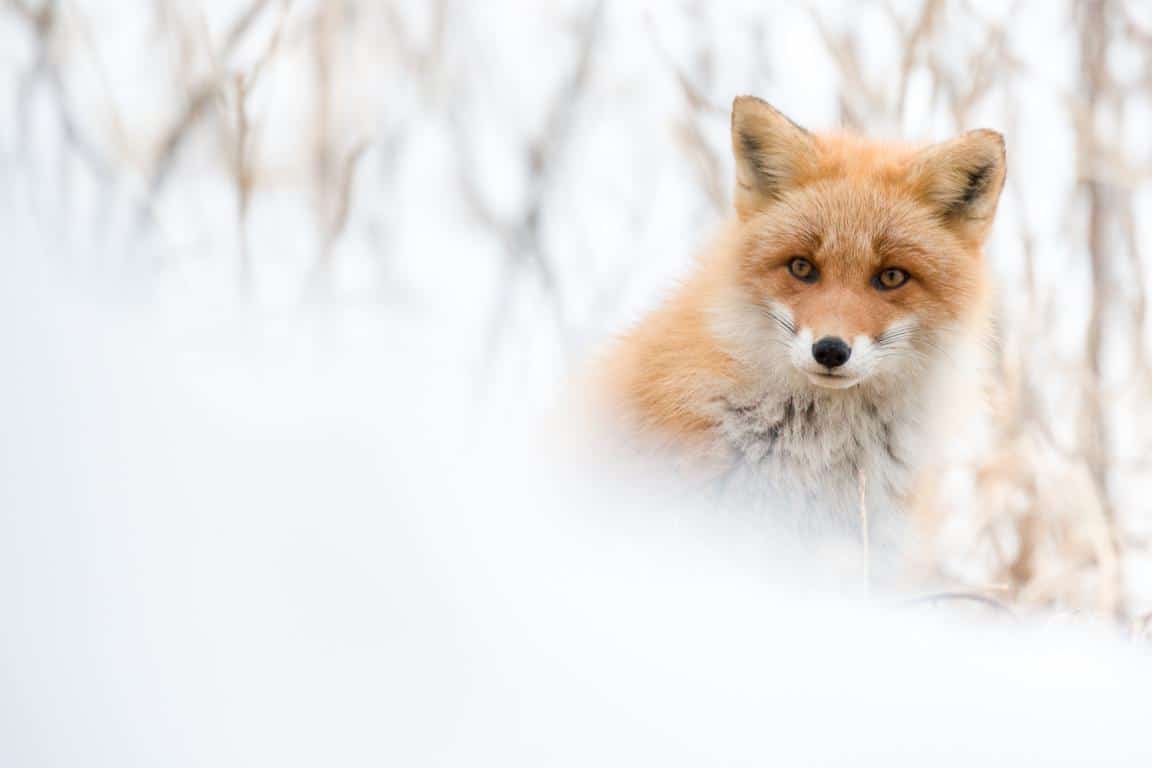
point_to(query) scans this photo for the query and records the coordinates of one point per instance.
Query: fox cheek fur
(845, 302)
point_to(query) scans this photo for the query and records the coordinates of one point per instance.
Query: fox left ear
(961, 180)
(772, 153)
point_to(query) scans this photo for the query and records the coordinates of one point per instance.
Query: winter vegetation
(287, 285)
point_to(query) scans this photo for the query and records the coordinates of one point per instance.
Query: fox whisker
(782, 321)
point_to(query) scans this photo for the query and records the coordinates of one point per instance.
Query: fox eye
(890, 278)
(803, 270)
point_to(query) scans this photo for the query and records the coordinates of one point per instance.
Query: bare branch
(521, 235)
(200, 98)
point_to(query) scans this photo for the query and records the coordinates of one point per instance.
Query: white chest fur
(812, 439)
(800, 456)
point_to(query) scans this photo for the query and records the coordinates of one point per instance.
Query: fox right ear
(961, 180)
(772, 153)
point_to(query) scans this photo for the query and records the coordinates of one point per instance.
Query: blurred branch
(244, 181)
(696, 96)
(860, 100)
(333, 168)
(912, 38)
(43, 23)
(199, 98)
(85, 26)
(694, 127)
(243, 173)
(520, 234)
(338, 221)
(28, 13)
(1095, 433)
(418, 58)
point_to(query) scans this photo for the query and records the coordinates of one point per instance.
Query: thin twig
(865, 533)
(200, 97)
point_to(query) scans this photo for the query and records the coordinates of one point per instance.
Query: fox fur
(721, 376)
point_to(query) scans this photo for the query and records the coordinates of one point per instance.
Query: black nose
(831, 352)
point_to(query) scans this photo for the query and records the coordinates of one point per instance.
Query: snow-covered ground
(259, 539)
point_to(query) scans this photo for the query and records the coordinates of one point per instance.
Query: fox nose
(831, 351)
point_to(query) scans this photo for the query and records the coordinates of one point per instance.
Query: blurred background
(286, 286)
(526, 177)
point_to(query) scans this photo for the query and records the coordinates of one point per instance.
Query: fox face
(821, 334)
(857, 258)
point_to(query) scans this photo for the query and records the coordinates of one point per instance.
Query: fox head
(857, 257)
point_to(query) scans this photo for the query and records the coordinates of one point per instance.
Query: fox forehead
(850, 229)
(846, 223)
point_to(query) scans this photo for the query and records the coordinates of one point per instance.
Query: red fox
(840, 312)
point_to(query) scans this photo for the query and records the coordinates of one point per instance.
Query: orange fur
(851, 207)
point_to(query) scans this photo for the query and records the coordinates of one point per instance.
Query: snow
(292, 539)
(325, 532)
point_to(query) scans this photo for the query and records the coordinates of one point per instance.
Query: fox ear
(772, 153)
(961, 180)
